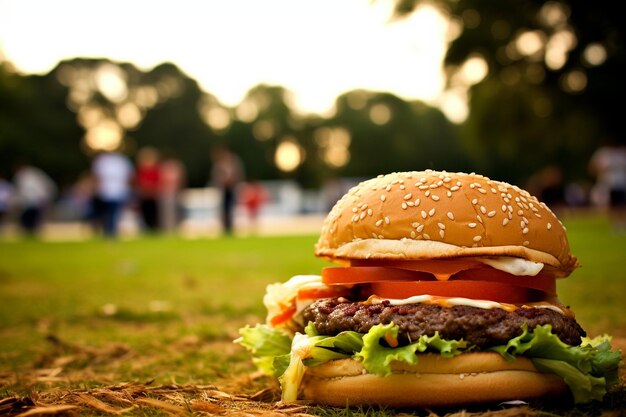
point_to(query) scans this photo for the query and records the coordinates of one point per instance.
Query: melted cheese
(460, 301)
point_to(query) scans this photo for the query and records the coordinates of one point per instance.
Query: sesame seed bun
(439, 215)
(435, 381)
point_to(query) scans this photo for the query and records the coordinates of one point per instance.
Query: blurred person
(147, 187)
(173, 180)
(82, 195)
(253, 195)
(34, 191)
(226, 173)
(608, 165)
(113, 174)
(6, 199)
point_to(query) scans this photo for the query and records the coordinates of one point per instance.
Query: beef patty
(481, 327)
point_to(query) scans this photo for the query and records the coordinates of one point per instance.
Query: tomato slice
(541, 282)
(366, 274)
(325, 292)
(442, 269)
(476, 290)
(284, 315)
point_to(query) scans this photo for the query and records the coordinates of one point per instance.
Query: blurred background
(238, 116)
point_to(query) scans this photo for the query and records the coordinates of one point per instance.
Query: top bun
(440, 215)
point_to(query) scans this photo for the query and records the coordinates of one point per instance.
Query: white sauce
(514, 266)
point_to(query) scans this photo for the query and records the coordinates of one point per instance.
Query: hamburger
(443, 293)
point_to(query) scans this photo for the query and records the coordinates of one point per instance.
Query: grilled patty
(481, 327)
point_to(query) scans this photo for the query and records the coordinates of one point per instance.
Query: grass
(142, 325)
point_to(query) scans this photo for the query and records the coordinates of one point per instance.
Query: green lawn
(164, 310)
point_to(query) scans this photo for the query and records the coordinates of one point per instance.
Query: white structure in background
(289, 209)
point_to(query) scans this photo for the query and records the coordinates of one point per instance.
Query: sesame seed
(431, 212)
(442, 233)
(441, 226)
(388, 187)
(413, 234)
(504, 207)
(426, 236)
(354, 209)
(435, 197)
(549, 226)
(491, 213)
(419, 228)
(520, 212)
(483, 209)
(427, 193)
(525, 231)
(454, 188)
(408, 196)
(526, 243)
(379, 222)
(480, 219)
(355, 218)
(362, 215)
(404, 206)
(505, 221)
(477, 238)
(387, 221)
(374, 235)
(472, 225)
(402, 187)
(410, 203)
(475, 201)
(417, 202)
(482, 191)
(424, 214)
(382, 198)
(369, 212)
(449, 193)
(450, 215)
(415, 224)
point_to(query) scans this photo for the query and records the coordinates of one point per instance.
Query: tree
(36, 126)
(553, 69)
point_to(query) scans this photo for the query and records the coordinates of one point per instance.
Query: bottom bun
(435, 381)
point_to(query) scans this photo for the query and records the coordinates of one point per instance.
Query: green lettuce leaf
(588, 369)
(266, 345)
(377, 355)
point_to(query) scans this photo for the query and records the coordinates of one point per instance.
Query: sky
(317, 49)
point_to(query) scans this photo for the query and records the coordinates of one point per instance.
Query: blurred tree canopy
(60, 120)
(554, 79)
(548, 99)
